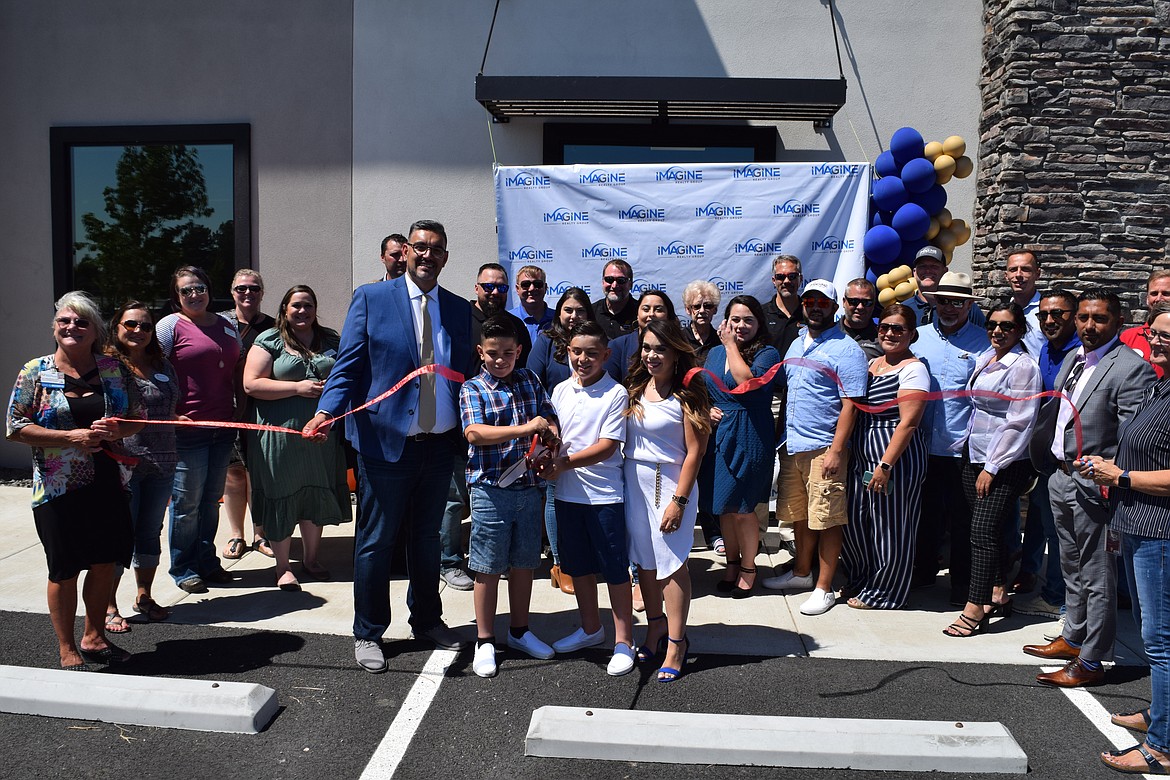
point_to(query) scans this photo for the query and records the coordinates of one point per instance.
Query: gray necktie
(426, 391)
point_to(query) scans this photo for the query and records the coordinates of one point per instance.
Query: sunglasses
(255, 289)
(785, 277)
(493, 287)
(78, 322)
(894, 328)
(530, 284)
(193, 290)
(817, 302)
(1006, 327)
(146, 326)
(1055, 314)
(704, 306)
(859, 301)
(616, 279)
(954, 303)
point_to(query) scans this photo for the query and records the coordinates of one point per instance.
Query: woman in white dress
(667, 426)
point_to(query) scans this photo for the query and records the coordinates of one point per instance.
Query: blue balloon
(906, 144)
(909, 250)
(871, 276)
(877, 269)
(889, 193)
(886, 165)
(911, 221)
(882, 244)
(933, 200)
(881, 218)
(919, 175)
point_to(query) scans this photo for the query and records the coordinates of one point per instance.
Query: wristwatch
(1123, 480)
(885, 466)
(680, 500)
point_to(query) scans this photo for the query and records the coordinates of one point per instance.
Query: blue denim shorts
(506, 526)
(592, 540)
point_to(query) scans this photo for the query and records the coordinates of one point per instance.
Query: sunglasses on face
(616, 279)
(193, 290)
(1006, 327)
(858, 301)
(240, 289)
(146, 326)
(78, 322)
(785, 277)
(817, 303)
(492, 287)
(954, 303)
(530, 284)
(1055, 314)
(704, 306)
(894, 328)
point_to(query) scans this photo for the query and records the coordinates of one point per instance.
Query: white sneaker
(622, 661)
(1056, 632)
(789, 581)
(818, 603)
(484, 663)
(531, 644)
(579, 640)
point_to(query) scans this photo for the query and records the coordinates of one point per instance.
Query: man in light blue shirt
(929, 266)
(949, 346)
(532, 310)
(814, 463)
(1023, 270)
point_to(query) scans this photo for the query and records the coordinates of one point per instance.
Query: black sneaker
(219, 577)
(194, 585)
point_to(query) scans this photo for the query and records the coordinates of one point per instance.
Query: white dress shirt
(446, 410)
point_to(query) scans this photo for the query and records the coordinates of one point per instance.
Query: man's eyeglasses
(193, 290)
(78, 322)
(493, 287)
(1006, 327)
(859, 301)
(240, 289)
(616, 279)
(1157, 336)
(890, 327)
(785, 277)
(954, 303)
(434, 249)
(1055, 314)
(530, 284)
(146, 326)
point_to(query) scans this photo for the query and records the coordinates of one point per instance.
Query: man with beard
(491, 295)
(617, 311)
(857, 321)
(930, 264)
(1138, 337)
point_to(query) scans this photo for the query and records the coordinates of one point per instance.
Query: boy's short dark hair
(498, 327)
(590, 328)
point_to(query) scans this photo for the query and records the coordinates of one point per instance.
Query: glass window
(568, 144)
(133, 204)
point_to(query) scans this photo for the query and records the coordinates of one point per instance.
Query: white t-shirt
(587, 415)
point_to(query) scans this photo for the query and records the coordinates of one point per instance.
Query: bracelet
(680, 500)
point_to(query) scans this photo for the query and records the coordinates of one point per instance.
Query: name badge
(162, 378)
(329, 353)
(54, 380)
(231, 332)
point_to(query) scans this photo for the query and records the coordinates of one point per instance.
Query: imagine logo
(530, 254)
(794, 207)
(641, 213)
(680, 249)
(757, 246)
(563, 215)
(717, 210)
(727, 285)
(679, 175)
(603, 177)
(604, 250)
(527, 180)
(558, 289)
(833, 244)
(756, 172)
(836, 169)
(641, 285)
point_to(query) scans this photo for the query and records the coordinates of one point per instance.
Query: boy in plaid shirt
(502, 409)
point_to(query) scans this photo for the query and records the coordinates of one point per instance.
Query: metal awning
(661, 97)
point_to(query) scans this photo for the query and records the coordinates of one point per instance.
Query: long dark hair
(693, 398)
(557, 333)
(1017, 312)
(114, 346)
(670, 313)
(320, 332)
(749, 350)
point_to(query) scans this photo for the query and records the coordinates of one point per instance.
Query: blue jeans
(550, 521)
(451, 529)
(409, 495)
(198, 486)
(149, 497)
(1039, 533)
(1148, 569)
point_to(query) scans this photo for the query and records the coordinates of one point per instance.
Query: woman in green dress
(294, 480)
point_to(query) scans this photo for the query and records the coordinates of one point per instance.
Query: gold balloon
(944, 164)
(932, 231)
(886, 296)
(961, 230)
(941, 179)
(932, 150)
(955, 146)
(963, 167)
(945, 240)
(900, 274)
(914, 283)
(903, 291)
(944, 218)
(883, 281)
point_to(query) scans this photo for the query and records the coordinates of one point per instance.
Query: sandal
(1130, 720)
(110, 654)
(236, 548)
(966, 626)
(671, 673)
(857, 603)
(116, 624)
(726, 586)
(646, 653)
(262, 546)
(1153, 766)
(154, 613)
(1000, 609)
(742, 593)
(719, 547)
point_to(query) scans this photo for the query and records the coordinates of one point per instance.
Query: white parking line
(392, 748)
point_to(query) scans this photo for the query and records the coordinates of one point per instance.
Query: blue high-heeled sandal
(674, 674)
(645, 653)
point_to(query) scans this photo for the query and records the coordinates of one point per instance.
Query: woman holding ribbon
(61, 407)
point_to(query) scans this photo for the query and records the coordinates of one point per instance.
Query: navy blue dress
(745, 446)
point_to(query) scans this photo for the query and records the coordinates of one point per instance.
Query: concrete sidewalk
(767, 624)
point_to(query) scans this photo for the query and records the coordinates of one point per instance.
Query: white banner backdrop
(723, 222)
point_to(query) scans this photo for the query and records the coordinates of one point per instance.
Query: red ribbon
(921, 395)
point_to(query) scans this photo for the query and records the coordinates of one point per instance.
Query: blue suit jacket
(378, 348)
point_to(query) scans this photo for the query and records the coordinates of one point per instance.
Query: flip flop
(236, 548)
(262, 546)
(116, 624)
(110, 654)
(1125, 720)
(150, 608)
(1153, 766)
(81, 667)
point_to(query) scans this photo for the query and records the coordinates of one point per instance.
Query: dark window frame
(763, 140)
(63, 139)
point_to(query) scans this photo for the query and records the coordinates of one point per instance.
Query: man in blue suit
(405, 443)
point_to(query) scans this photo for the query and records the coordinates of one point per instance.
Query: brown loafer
(1058, 648)
(1073, 675)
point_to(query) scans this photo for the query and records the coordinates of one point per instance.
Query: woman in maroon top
(203, 347)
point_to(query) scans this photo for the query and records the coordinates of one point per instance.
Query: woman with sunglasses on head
(294, 480)
(623, 355)
(550, 363)
(132, 340)
(996, 466)
(886, 470)
(203, 347)
(701, 301)
(60, 407)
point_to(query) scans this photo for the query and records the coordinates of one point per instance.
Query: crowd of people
(900, 440)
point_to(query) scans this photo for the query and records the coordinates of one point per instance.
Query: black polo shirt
(614, 325)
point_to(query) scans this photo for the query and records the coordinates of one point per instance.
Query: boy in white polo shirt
(591, 521)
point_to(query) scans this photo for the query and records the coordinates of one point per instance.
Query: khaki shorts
(803, 495)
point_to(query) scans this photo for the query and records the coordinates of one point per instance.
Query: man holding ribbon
(405, 442)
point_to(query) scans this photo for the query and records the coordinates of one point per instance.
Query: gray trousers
(1090, 573)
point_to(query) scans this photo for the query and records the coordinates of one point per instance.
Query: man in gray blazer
(1105, 381)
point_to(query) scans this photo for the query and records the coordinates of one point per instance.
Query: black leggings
(989, 563)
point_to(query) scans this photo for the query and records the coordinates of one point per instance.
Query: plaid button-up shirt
(486, 400)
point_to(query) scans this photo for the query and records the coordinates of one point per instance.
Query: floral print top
(57, 470)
